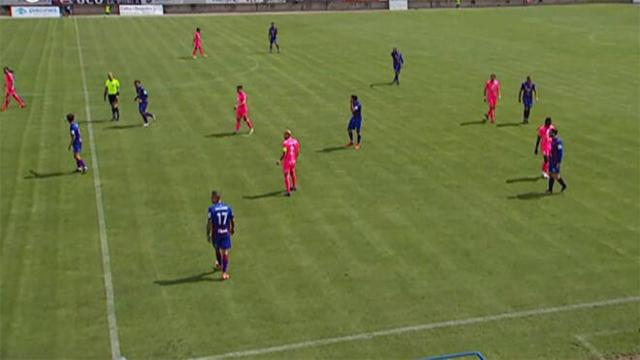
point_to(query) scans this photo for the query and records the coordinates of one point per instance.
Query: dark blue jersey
(273, 32)
(557, 150)
(75, 132)
(221, 216)
(398, 59)
(142, 94)
(527, 89)
(357, 109)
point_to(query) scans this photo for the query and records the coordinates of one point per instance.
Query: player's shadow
(222, 135)
(185, 58)
(186, 280)
(93, 121)
(39, 175)
(263, 196)
(509, 124)
(331, 149)
(530, 196)
(524, 179)
(467, 123)
(122, 127)
(387, 83)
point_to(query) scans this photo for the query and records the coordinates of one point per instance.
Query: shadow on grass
(222, 135)
(263, 196)
(93, 121)
(530, 196)
(388, 83)
(122, 127)
(331, 149)
(524, 179)
(186, 280)
(39, 175)
(467, 123)
(185, 58)
(509, 124)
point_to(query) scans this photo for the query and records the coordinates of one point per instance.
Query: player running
(197, 44)
(355, 123)
(290, 154)
(142, 97)
(273, 38)
(242, 110)
(491, 96)
(398, 62)
(112, 91)
(526, 97)
(221, 225)
(76, 143)
(544, 141)
(10, 89)
(557, 155)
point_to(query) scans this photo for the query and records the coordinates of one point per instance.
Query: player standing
(112, 91)
(491, 96)
(526, 96)
(76, 143)
(355, 123)
(290, 154)
(398, 62)
(142, 97)
(10, 89)
(544, 141)
(197, 44)
(242, 110)
(557, 155)
(273, 38)
(221, 225)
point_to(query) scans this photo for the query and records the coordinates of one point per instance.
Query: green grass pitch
(424, 224)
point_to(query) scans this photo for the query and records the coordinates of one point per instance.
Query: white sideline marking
(104, 244)
(594, 350)
(583, 339)
(425, 327)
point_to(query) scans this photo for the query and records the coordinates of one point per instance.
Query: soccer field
(433, 238)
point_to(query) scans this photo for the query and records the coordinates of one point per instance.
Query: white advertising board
(398, 4)
(141, 10)
(35, 11)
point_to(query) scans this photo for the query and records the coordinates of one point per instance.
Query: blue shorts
(397, 68)
(77, 148)
(528, 103)
(223, 243)
(142, 107)
(355, 124)
(273, 40)
(554, 167)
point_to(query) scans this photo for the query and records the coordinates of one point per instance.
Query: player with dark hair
(557, 155)
(355, 123)
(142, 97)
(197, 44)
(290, 154)
(112, 92)
(242, 110)
(221, 225)
(491, 96)
(398, 62)
(10, 89)
(526, 96)
(76, 143)
(273, 37)
(544, 141)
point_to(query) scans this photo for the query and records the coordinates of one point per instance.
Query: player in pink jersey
(491, 96)
(544, 141)
(290, 153)
(242, 110)
(10, 89)
(197, 44)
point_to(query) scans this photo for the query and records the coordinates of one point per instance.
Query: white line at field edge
(104, 244)
(589, 346)
(425, 327)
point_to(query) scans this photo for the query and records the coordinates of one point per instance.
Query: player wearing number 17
(221, 225)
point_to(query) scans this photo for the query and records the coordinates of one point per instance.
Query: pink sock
(238, 123)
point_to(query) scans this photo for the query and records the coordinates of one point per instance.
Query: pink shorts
(287, 168)
(242, 112)
(492, 102)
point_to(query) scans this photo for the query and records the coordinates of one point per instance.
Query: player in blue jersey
(273, 37)
(557, 155)
(398, 62)
(142, 97)
(526, 96)
(76, 143)
(221, 225)
(355, 123)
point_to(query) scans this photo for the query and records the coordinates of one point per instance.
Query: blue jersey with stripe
(75, 132)
(221, 216)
